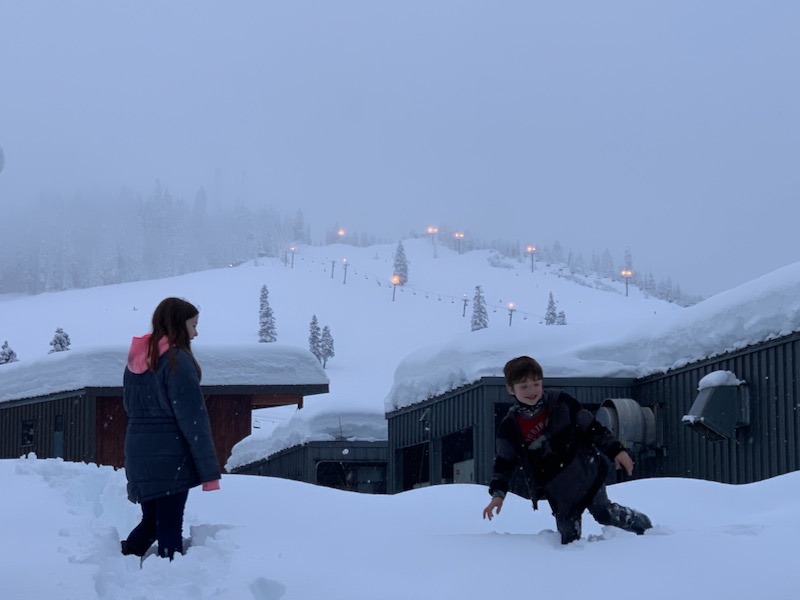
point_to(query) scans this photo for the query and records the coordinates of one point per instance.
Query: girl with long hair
(168, 443)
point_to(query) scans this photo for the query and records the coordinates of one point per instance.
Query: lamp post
(532, 251)
(333, 266)
(344, 266)
(627, 274)
(293, 249)
(511, 310)
(341, 234)
(433, 231)
(459, 236)
(464, 310)
(395, 281)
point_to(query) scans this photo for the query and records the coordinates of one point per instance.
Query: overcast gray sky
(671, 128)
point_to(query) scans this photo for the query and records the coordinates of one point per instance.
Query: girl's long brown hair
(169, 319)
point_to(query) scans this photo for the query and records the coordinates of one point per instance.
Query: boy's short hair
(521, 368)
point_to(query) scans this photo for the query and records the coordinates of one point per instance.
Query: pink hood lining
(137, 355)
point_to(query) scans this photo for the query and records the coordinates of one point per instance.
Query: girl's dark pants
(162, 520)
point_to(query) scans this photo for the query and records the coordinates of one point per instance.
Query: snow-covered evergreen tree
(557, 253)
(665, 289)
(266, 319)
(607, 265)
(480, 316)
(60, 341)
(401, 264)
(326, 346)
(628, 260)
(561, 318)
(7, 355)
(300, 232)
(315, 338)
(550, 315)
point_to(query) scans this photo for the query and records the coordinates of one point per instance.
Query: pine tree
(401, 264)
(628, 260)
(551, 316)
(7, 355)
(480, 316)
(60, 341)
(266, 330)
(314, 338)
(561, 319)
(326, 346)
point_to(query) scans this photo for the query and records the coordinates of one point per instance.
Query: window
(27, 433)
(366, 477)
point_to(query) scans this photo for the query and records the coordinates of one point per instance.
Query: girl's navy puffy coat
(168, 443)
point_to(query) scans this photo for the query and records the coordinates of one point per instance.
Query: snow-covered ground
(262, 539)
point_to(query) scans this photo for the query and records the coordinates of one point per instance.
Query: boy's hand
(623, 461)
(495, 504)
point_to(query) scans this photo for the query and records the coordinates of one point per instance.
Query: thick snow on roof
(102, 366)
(762, 309)
(351, 426)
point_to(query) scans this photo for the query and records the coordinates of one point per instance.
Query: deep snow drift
(263, 539)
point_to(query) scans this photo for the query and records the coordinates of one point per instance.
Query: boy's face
(528, 391)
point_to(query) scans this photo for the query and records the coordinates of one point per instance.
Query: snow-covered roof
(351, 426)
(103, 366)
(765, 308)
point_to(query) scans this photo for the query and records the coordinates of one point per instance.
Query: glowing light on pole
(627, 274)
(292, 249)
(341, 234)
(464, 311)
(532, 251)
(344, 265)
(433, 231)
(395, 281)
(459, 236)
(511, 310)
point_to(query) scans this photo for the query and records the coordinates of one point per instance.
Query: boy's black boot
(640, 523)
(569, 528)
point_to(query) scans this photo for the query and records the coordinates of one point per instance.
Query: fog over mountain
(669, 129)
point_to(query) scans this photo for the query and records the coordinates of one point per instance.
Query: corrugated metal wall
(72, 414)
(769, 446)
(299, 463)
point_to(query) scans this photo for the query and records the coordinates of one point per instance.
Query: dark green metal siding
(75, 412)
(299, 463)
(769, 446)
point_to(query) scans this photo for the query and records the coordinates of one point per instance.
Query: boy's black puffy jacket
(567, 468)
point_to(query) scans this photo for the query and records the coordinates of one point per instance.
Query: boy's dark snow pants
(605, 512)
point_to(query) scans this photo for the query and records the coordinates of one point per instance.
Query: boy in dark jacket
(559, 445)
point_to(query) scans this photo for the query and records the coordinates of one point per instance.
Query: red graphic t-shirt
(533, 427)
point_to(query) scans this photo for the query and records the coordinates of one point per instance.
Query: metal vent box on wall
(718, 411)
